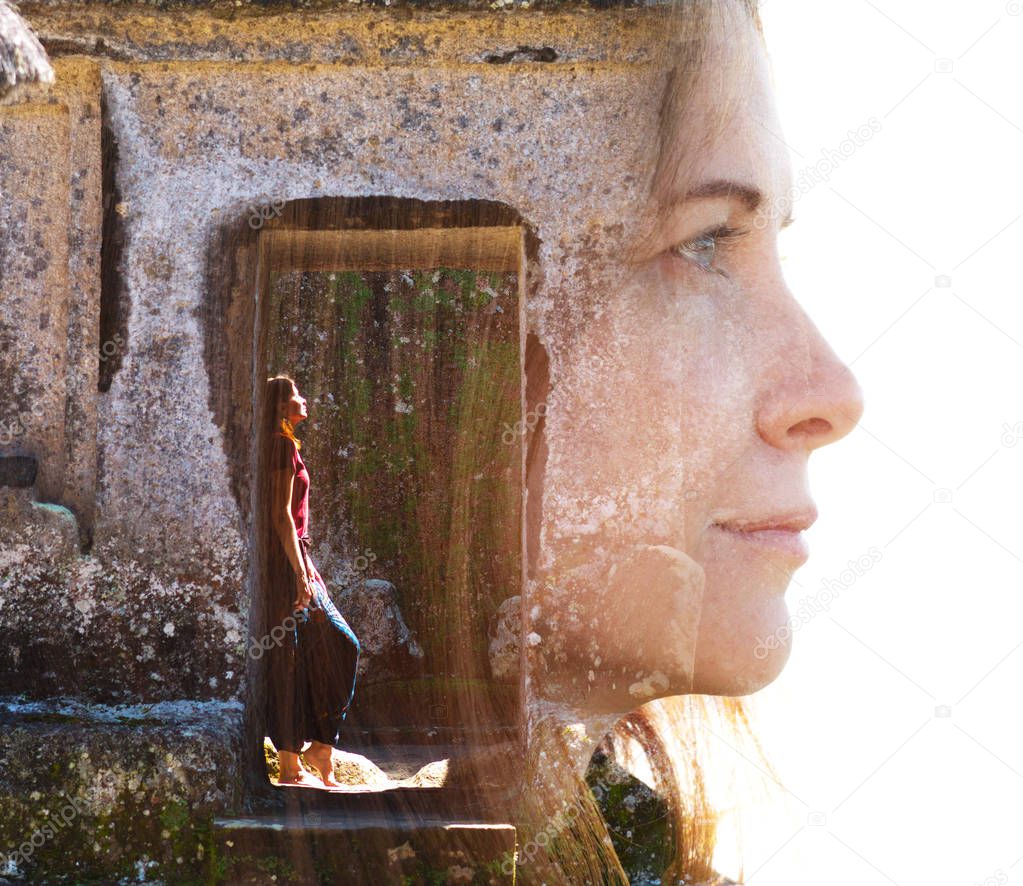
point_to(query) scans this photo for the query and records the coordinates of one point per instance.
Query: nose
(813, 399)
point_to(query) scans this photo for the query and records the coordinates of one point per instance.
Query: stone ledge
(90, 793)
(345, 33)
(309, 846)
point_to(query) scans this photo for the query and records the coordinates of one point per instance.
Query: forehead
(750, 147)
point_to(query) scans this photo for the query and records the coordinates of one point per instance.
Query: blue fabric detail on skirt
(313, 673)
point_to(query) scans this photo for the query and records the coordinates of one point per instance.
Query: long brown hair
(276, 393)
(674, 733)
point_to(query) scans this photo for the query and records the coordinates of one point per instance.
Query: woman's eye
(702, 249)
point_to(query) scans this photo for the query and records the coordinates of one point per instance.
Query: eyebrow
(751, 196)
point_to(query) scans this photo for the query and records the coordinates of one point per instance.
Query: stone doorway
(407, 344)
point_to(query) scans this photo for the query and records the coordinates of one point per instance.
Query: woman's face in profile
(296, 409)
(719, 390)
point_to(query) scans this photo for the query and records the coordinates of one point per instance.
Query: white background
(879, 787)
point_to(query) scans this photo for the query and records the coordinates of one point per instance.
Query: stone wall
(124, 569)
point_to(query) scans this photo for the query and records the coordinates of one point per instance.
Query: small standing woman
(311, 671)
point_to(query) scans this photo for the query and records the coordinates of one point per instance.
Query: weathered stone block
(35, 219)
(90, 794)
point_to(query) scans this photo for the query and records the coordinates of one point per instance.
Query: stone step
(316, 840)
(356, 735)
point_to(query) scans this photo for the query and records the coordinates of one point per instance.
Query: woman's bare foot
(304, 779)
(321, 757)
(293, 772)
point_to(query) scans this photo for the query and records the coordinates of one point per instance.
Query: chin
(745, 636)
(738, 671)
(742, 650)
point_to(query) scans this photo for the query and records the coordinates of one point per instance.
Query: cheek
(658, 399)
(626, 430)
(702, 364)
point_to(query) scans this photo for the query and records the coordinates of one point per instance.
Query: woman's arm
(315, 573)
(283, 522)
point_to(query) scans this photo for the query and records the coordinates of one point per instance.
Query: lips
(790, 521)
(779, 533)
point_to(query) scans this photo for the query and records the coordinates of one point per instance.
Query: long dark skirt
(310, 672)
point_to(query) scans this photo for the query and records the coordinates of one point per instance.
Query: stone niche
(407, 343)
(186, 170)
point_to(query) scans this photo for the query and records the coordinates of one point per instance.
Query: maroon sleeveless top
(288, 456)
